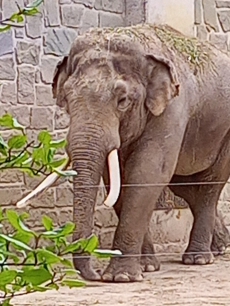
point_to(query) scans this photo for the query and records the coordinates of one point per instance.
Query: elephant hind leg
(202, 200)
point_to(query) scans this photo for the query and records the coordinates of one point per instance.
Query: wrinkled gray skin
(170, 121)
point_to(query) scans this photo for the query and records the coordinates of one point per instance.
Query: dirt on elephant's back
(174, 284)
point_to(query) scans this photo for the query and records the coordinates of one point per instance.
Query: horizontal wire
(157, 184)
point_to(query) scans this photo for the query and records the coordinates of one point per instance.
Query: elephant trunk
(90, 148)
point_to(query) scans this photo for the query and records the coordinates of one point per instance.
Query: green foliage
(18, 18)
(26, 266)
(34, 158)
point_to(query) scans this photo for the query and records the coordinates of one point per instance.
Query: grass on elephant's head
(195, 51)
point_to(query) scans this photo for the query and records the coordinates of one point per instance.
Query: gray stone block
(19, 32)
(52, 12)
(7, 68)
(26, 80)
(223, 3)
(87, 3)
(6, 43)
(71, 15)
(28, 53)
(44, 96)
(64, 1)
(224, 17)
(8, 93)
(210, 15)
(61, 119)
(201, 32)
(110, 20)
(9, 7)
(117, 6)
(42, 118)
(90, 19)
(48, 65)
(98, 4)
(198, 11)
(34, 25)
(58, 41)
(135, 11)
(219, 40)
(22, 113)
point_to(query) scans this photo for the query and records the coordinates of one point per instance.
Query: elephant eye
(123, 103)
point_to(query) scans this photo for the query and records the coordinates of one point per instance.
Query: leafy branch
(26, 266)
(17, 19)
(32, 157)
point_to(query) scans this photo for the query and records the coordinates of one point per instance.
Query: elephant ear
(59, 79)
(163, 84)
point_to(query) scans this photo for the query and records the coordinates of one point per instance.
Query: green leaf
(92, 244)
(4, 29)
(44, 137)
(72, 283)
(105, 253)
(30, 11)
(35, 3)
(23, 159)
(66, 172)
(42, 289)
(47, 256)
(70, 272)
(36, 277)
(6, 302)
(17, 223)
(17, 142)
(16, 243)
(64, 230)
(58, 144)
(47, 222)
(57, 163)
(76, 246)
(7, 277)
(3, 146)
(10, 255)
(8, 121)
(41, 154)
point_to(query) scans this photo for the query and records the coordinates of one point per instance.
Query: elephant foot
(198, 258)
(221, 237)
(86, 270)
(123, 270)
(149, 264)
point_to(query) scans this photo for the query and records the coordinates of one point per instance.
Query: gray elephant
(148, 107)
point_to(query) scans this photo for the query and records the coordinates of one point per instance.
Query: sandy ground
(174, 284)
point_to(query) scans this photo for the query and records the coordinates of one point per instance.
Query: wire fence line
(158, 184)
(158, 254)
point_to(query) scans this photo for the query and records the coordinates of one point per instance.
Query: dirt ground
(174, 284)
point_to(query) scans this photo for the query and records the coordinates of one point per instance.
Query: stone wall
(28, 56)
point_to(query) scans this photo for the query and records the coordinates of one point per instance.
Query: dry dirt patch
(174, 284)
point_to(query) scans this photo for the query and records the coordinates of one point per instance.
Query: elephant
(149, 107)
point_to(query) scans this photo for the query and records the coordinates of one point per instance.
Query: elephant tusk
(47, 182)
(115, 179)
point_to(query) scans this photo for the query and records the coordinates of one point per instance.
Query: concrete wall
(28, 57)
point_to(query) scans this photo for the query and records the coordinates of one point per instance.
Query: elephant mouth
(114, 177)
